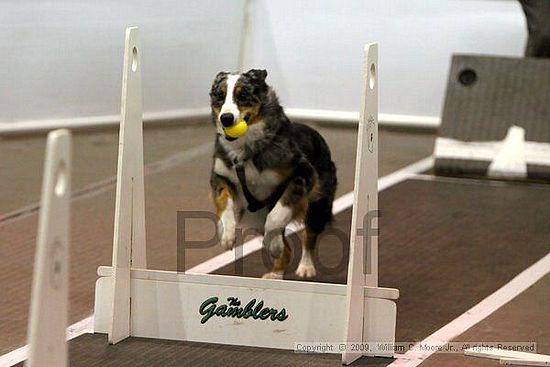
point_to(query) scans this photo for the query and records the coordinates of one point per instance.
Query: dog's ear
(215, 88)
(219, 77)
(216, 83)
(258, 75)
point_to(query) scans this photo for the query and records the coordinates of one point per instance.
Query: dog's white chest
(261, 184)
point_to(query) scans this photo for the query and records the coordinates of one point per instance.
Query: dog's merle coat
(278, 152)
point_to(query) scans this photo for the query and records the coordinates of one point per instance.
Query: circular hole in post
(61, 180)
(134, 59)
(467, 77)
(57, 261)
(372, 76)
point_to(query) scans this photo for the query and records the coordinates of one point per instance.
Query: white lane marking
(108, 183)
(75, 330)
(477, 313)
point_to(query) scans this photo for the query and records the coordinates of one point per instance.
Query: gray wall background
(63, 59)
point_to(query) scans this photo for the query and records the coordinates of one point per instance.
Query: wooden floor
(445, 243)
(178, 160)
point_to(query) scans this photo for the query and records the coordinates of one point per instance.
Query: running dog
(276, 173)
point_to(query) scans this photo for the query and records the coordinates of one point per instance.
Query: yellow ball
(236, 131)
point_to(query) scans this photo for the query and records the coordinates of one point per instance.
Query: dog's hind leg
(280, 263)
(319, 213)
(306, 267)
(292, 205)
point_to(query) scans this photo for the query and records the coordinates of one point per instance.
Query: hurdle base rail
(166, 305)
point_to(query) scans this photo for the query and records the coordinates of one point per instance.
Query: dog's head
(236, 97)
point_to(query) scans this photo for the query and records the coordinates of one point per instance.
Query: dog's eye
(244, 97)
(217, 95)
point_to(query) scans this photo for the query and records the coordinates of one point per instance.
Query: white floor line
(75, 330)
(342, 203)
(477, 313)
(98, 187)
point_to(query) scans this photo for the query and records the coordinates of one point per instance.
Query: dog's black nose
(227, 119)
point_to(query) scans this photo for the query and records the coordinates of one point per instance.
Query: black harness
(253, 203)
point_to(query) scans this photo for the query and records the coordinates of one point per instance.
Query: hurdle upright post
(129, 236)
(48, 314)
(363, 254)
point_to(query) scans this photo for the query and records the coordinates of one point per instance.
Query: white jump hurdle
(134, 301)
(49, 299)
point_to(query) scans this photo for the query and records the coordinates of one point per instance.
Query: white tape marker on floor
(18, 355)
(477, 313)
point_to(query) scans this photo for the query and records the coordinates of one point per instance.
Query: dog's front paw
(226, 233)
(273, 275)
(306, 271)
(274, 244)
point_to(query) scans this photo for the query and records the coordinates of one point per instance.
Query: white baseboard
(352, 117)
(22, 127)
(301, 114)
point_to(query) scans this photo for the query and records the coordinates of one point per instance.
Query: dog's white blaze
(229, 105)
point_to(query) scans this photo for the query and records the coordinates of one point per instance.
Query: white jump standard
(50, 287)
(134, 301)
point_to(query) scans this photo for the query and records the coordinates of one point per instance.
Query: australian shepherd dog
(276, 173)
